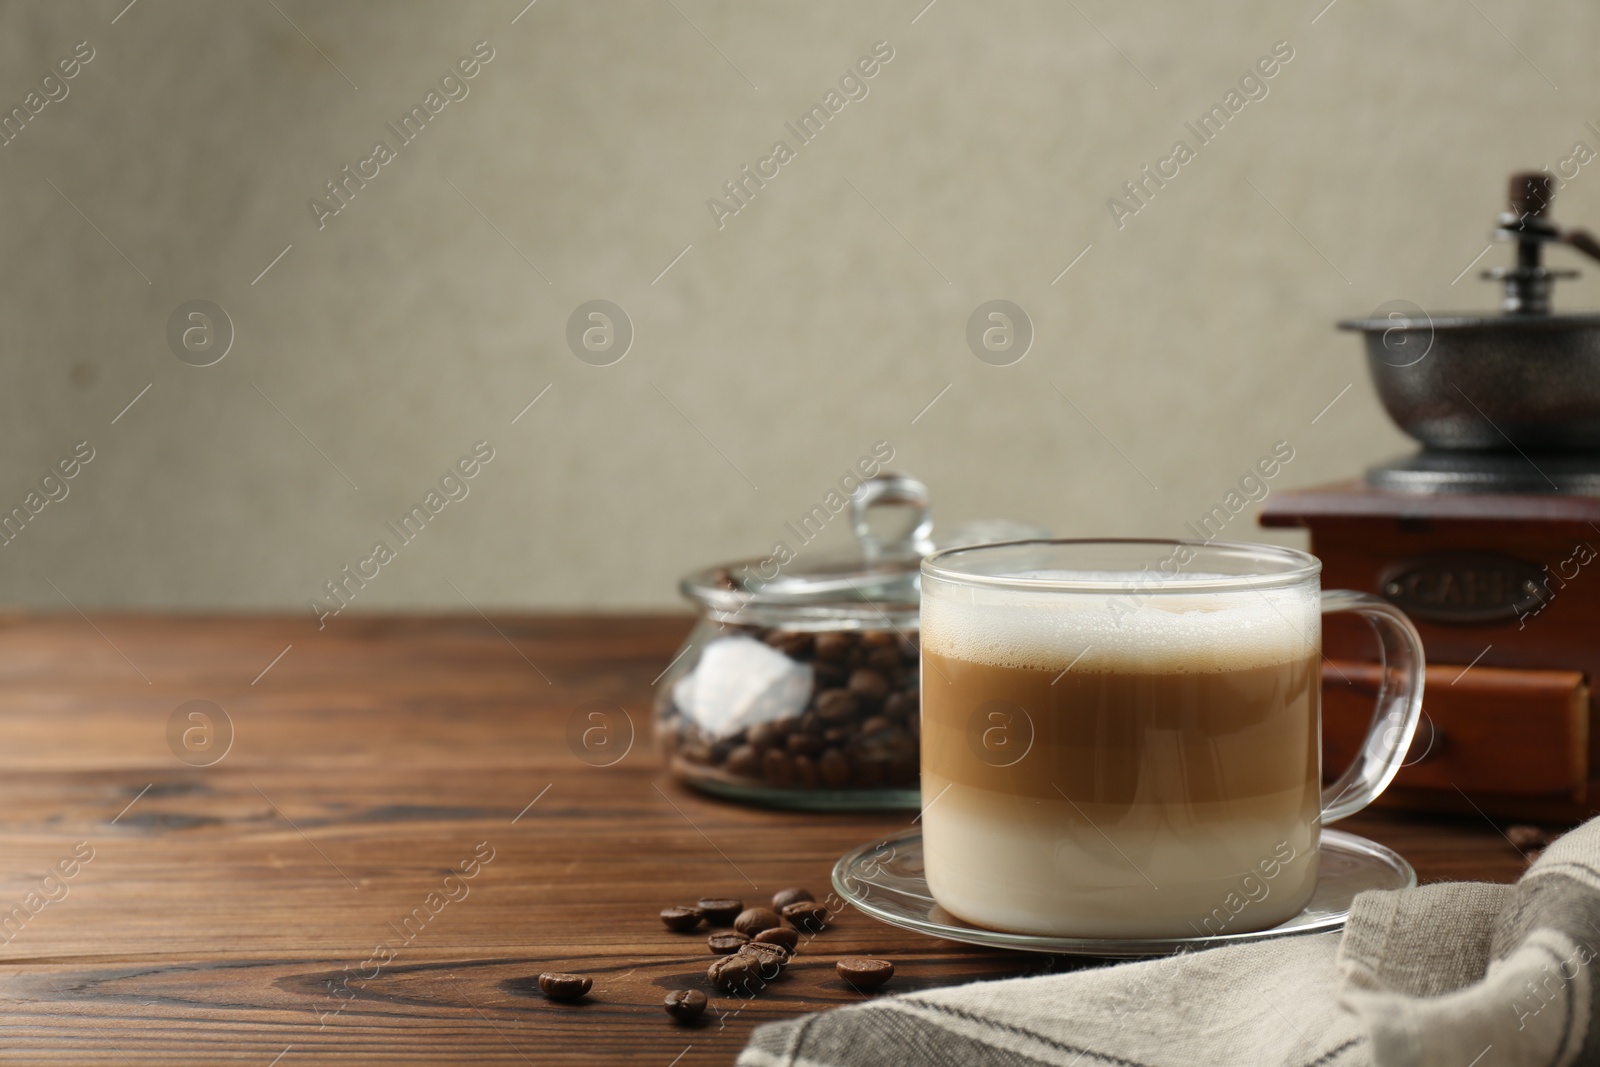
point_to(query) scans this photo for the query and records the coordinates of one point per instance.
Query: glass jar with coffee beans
(799, 685)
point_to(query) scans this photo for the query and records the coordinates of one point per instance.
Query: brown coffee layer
(1123, 738)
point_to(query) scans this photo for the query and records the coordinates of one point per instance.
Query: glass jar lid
(880, 581)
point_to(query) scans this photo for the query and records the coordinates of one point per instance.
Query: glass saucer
(885, 880)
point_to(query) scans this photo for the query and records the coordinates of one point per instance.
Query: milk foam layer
(1151, 627)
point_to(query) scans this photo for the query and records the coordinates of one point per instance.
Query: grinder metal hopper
(1505, 402)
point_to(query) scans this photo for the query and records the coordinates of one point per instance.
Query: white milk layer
(1072, 870)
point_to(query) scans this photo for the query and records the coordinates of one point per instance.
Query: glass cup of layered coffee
(1123, 739)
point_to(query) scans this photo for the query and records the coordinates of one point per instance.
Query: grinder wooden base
(1505, 591)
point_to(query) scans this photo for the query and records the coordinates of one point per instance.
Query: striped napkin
(1458, 974)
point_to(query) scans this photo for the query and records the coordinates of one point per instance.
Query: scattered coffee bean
(724, 944)
(682, 918)
(806, 915)
(752, 921)
(685, 1005)
(784, 936)
(773, 955)
(736, 972)
(793, 895)
(864, 973)
(1526, 837)
(564, 986)
(720, 912)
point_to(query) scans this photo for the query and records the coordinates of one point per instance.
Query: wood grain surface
(230, 913)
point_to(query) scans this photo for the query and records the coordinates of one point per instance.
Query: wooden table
(230, 912)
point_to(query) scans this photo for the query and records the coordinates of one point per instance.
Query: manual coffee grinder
(1488, 538)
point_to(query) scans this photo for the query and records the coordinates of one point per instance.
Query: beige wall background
(769, 354)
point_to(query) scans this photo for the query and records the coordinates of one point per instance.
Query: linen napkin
(1458, 974)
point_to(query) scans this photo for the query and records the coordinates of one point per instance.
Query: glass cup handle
(1398, 709)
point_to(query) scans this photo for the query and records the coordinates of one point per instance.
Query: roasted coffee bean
(564, 986)
(793, 895)
(835, 736)
(777, 768)
(752, 921)
(830, 675)
(835, 706)
(868, 684)
(834, 644)
(783, 936)
(720, 911)
(764, 736)
(802, 744)
(902, 770)
(1525, 837)
(834, 768)
(724, 944)
(682, 918)
(875, 639)
(887, 660)
(809, 724)
(806, 775)
(685, 1005)
(773, 957)
(744, 762)
(795, 644)
(866, 770)
(736, 972)
(806, 915)
(897, 739)
(877, 724)
(864, 973)
(897, 705)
